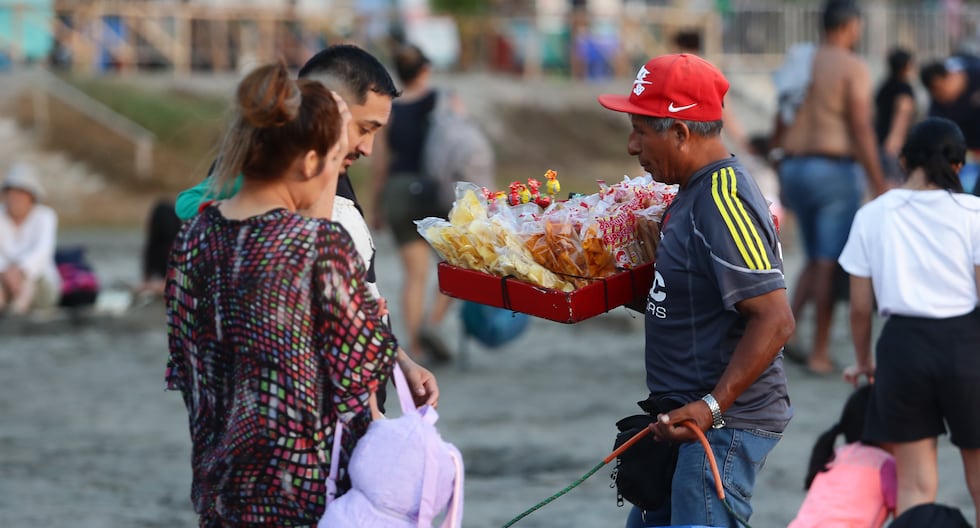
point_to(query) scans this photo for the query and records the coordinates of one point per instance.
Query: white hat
(23, 176)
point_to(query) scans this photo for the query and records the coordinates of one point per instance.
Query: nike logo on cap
(673, 108)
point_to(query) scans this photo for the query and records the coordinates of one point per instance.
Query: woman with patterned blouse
(273, 335)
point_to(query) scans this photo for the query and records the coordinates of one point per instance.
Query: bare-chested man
(830, 140)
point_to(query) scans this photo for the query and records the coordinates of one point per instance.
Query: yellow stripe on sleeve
(745, 225)
(765, 264)
(719, 202)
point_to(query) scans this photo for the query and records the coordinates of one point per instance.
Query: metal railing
(42, 85)
(127, 36)
(756, 30)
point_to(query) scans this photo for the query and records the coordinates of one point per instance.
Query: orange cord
(711, 456)
(697, 432)
(628, 444)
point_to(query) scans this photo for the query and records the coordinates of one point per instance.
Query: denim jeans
(824, 194)
(740, 454)
(969, 176)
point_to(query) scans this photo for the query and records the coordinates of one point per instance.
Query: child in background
(854, 485)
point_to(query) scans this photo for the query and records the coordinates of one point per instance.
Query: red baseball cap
(681, 86)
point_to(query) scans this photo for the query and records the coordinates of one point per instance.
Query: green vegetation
(187, 126)
(461, 7)
(178, 119)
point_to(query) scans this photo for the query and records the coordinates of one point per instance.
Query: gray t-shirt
(718, 247)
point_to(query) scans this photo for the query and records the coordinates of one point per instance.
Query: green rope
(582, 479)
(550, 499)
(738, 520)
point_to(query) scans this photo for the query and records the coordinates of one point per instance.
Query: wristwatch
(717, 422)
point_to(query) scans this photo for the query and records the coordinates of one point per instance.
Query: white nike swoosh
(673, 108)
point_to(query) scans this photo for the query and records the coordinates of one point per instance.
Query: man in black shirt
(894, 112)
(954, 86)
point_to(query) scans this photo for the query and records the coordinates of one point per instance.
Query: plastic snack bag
(648, 231)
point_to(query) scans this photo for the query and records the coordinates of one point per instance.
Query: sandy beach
(91, 440)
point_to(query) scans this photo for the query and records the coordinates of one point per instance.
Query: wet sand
(90, 439)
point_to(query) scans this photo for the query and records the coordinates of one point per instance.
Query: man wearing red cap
(717, 315)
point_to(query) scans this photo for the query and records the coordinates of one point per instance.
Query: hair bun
(268, 97)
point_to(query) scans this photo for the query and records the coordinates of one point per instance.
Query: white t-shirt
(346, 214)
(920, 249)
(30, 246)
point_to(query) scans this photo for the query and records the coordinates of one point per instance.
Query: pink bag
(402, 473)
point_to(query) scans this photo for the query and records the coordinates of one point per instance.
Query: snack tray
(598, 297)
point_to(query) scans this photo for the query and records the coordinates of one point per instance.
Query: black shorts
(405, 199)
(928, 372)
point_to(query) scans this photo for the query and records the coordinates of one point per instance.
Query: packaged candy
(561, 245)
(472, 239)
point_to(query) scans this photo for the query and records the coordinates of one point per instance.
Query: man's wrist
(717, 421)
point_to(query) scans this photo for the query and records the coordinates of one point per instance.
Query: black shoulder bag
(643, 473)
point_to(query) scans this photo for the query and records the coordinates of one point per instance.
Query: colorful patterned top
(273, 336)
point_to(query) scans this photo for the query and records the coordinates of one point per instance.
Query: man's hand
(893, 145)
(422, 383)
(853, 374)
(667, 428)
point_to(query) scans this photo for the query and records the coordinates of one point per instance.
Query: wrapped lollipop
(534, 186)
(552, 187)
(519, 194)
(514, 194)
(525, 193)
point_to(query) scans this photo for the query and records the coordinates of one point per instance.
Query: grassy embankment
(581, 145)
(187, 126)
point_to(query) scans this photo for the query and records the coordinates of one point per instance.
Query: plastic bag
(472, 240)
(648, 231)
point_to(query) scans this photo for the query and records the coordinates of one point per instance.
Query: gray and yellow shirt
(719, 246)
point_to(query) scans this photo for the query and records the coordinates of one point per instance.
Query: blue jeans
(969, 177)
(824, 194)
(740, 454)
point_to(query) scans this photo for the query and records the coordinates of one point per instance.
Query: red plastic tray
(564, 307)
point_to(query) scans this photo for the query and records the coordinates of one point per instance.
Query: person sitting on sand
(28, 232)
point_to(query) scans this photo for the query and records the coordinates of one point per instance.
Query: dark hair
(851, 425)
(932, 71)
(688, 39)
(898, 60)
(349, 69)
(276, 120)
(409, 62)
(759, 144)
(935, 145)
(839, 13)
